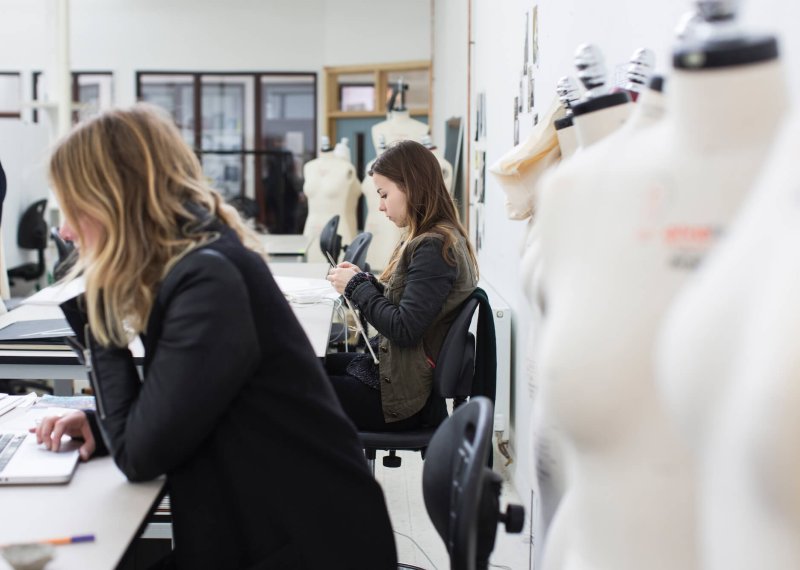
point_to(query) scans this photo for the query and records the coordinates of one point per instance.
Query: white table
(287, 245)
(98, 500)
(63, 367)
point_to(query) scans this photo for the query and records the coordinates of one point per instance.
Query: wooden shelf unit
(379, 74)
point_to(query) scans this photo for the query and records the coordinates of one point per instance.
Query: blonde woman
(234, 407)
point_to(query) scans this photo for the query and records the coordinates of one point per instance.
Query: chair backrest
(455, 368)
(356, 252)
(454, 480)
(32, 230)
(330, 241)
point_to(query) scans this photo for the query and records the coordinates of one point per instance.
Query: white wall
(618, 27)
(125, 36)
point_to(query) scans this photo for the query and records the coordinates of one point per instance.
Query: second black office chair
(31, 234)
(461, 493)
(330, 242)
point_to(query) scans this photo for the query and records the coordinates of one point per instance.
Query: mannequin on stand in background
(740, 416)
(735, 397)
(399, 126)
(599, 112)
(332, 188)
(621, 232)
(569, 94)
(447, 168)
(385, 234)
(342, 150)
(518, 173)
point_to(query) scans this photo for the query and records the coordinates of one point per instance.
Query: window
(93, 91)
(10, 95)
(252, 131)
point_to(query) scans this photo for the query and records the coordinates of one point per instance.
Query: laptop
(24, 462)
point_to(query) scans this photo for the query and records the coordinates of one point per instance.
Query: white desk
(63, 367)
(98, 500)
(287, 245)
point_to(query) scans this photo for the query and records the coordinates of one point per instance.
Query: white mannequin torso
(332, 188)
(736, 397)
(447, 170)
(621, 229)
(385, 235)
(593, 127)
(398, 126)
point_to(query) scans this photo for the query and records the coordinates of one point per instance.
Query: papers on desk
(304, 290)
(8, 402)
(41, 334)
(57, 294)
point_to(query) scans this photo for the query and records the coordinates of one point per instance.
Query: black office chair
(330, 242)
(67, 255)
(461, 493)
(356, 252)
(452, 379)
(31, 234)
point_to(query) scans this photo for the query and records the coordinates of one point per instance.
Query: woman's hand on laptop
(75, 425)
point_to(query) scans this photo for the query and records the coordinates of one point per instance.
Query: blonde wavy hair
(129, 176)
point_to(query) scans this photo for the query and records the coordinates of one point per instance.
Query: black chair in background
(452, 379)
(461, 493)
(31, 234)
(356, 253)
(330, 242)
(67, 254)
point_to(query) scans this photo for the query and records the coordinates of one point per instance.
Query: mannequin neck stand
(725, 102)
(650, 108)
(596, 118)
(567, 136)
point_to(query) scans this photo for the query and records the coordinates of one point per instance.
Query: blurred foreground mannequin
(547, 460)
(600, 112)
(621, 232)
(518, 173)
(332, 188)
(568, 94)
(736, 396)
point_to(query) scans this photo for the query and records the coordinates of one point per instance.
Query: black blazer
(263, 467)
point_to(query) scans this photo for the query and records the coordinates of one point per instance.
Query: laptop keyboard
(9, 444)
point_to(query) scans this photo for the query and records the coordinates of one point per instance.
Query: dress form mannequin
(619, 237)
(332, 188)
(385, 235)
(398, 126)
(599, 112)
(743, 425)
(733, 398)
(447, 169)
(568, 94)
(342, 149)
(548, 442)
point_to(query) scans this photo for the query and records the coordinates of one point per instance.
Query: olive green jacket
(412, 315)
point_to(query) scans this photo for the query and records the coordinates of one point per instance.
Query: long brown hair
(430, 208)
(131, 175)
